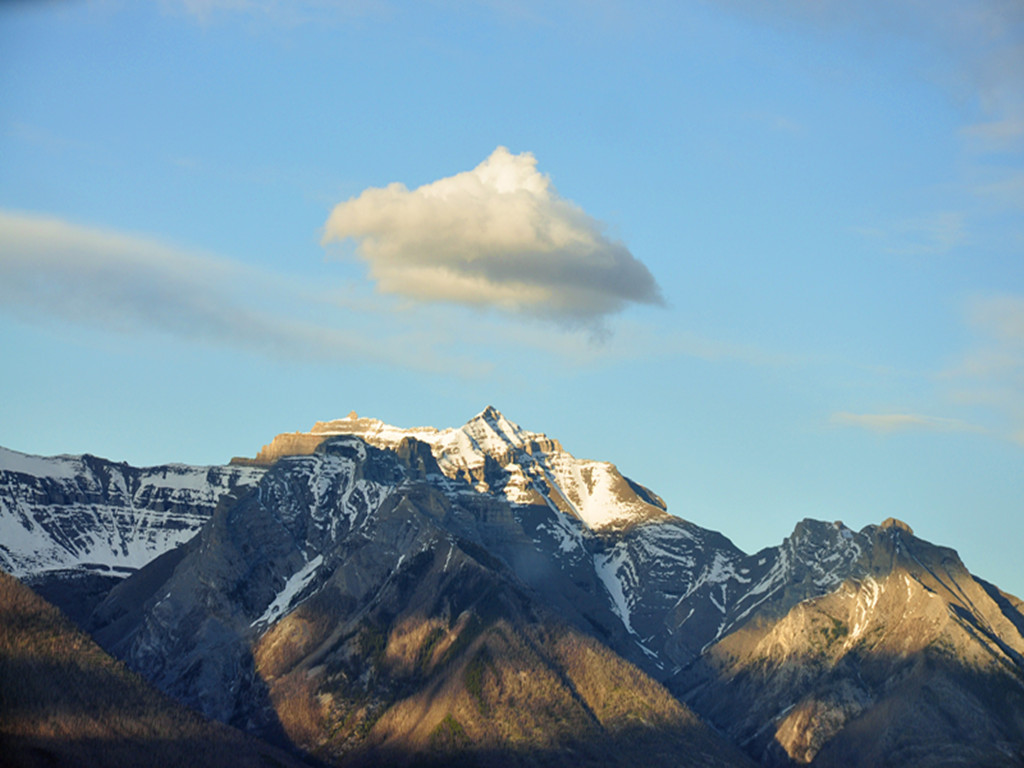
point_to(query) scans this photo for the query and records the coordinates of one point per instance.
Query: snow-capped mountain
(90, 515)
(382, 583)
(286, 593)
(579, 516)
(494, 455)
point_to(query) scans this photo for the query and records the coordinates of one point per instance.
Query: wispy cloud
(928, 235)
(990, 376)
(901, 422)
(973, 50)
(998, 135)
(289, 14)
(1006, 191)
(496, 236)
(634, 341)
(51, 269)
(984, 387)
(1002, 318)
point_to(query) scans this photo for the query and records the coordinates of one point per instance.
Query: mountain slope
(63, 701)
(74, 526)
(89, 515)
(424, 595)
(352, 597)
(908, 660)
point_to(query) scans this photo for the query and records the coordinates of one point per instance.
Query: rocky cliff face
(90, 515)
(893, 655)
(74, 526)
(428, 594)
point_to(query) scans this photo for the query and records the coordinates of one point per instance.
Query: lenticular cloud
(498, 235)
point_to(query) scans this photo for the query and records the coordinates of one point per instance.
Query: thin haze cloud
(988, 380)
(901, 422)
(289, 14)
(977, 47)
(991, 375)
(51, 269)
(497, 236)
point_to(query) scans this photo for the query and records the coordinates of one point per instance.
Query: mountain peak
(490, 413)
(495, 455)
(892, 522)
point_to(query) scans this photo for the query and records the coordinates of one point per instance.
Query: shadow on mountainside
(64, 701)
(931, 712)
(638, 744)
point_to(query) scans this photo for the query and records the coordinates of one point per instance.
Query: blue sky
(766, 257)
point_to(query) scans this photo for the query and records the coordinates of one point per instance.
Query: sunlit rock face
(494, 455)
(374, 594)
(906, 659)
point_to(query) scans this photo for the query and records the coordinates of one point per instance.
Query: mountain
(370, 593)
(496, 456)
(371, 607)
(598, 545)
(87, 514)
(905, 659)
(63, 701)
(75, 525)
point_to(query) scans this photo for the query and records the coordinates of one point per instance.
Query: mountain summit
(492, 453)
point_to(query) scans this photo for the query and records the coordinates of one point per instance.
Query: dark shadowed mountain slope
(64, 701)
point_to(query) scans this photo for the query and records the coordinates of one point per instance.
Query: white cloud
(53, 270)
(497, 236)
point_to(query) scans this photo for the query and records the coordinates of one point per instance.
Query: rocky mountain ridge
(493, 454)
(91, 515)
(370, 568)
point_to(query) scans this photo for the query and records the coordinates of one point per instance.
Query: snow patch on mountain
(292, 588)
(607, 567)
(57, 467)
(533, 468)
